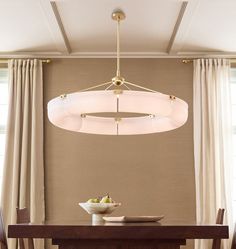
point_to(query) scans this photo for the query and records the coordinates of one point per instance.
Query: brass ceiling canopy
(118, 15)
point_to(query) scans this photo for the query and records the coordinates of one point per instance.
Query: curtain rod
(186, 61)
(5, 61)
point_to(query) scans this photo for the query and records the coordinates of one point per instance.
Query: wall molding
(162, 55)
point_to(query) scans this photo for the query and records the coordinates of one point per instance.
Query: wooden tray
(134, 218)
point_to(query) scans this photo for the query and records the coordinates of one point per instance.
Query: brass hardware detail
(172, 97)
(46, 61)
(118, 91)
(63, 96)
(83, 115)
(5, 61)
(118, 15)
(118, 80)
(118, 120)
(186, 61)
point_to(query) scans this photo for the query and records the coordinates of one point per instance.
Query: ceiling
(84, 28)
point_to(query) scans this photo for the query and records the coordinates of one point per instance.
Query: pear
(106, 199)
(93, 200)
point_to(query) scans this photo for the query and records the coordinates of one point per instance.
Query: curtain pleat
(23, 176)
(212, 143)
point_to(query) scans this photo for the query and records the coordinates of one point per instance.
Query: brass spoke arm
(94, 87)
(140, 87)
(118, 81)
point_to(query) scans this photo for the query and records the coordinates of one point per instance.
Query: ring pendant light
(122, 108)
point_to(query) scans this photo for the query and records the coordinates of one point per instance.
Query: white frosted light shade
(166, 113)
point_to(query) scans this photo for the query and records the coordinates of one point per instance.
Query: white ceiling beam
(55, 26)
(60, 25)
(177, 26)
(182, 26)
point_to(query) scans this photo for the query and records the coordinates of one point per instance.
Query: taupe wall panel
(149, 174)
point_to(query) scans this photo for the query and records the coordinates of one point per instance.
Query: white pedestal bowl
(99, 210)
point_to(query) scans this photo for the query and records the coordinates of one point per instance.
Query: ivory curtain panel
(212, 142)
(23, 176)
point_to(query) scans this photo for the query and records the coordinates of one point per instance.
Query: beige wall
(149, 174)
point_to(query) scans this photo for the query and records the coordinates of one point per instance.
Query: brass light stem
(118, 15)
(118, 47)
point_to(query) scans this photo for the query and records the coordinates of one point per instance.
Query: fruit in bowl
(99, 207)
(93, 200)
(104, 199)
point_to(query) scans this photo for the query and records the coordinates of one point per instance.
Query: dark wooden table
(117, 235)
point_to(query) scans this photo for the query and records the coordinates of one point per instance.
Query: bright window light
(233, 101)
(3, 115)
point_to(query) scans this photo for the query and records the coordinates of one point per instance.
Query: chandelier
(120, 108)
